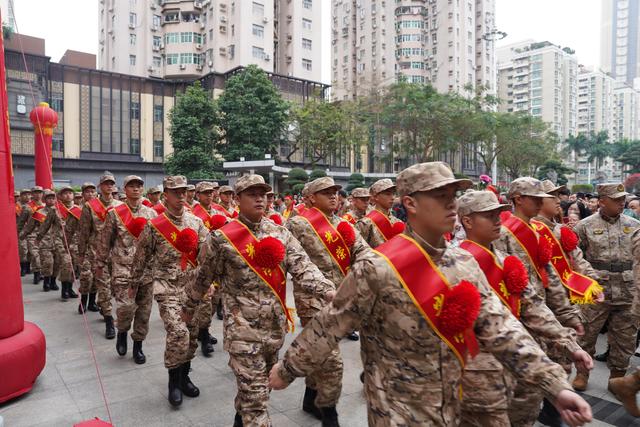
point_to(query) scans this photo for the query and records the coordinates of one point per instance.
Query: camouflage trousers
(49, 261)
(525, 405)
(622, 330)
(251, 364)
(23, 252)
(486, 392)
(204, 312)
(327, 379)
(65, 263)
(33, 250)
(87, 285)
(498, 418)
(136, 309)
(103, 286)
(180, 344)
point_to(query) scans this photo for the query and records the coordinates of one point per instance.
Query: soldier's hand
(275, 381)
(329, 296)
(600, 297)
(582, 360)
(131, 293)
(572, 408)
(579, 329)
(186, 316)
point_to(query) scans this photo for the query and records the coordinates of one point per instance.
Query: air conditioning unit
(132, 27)
(101, 41)
(153, 5)
(183, 67)
(110, 31)
(267, 58)
(223, 51)
(210, 64)
(202, 25)
(151, 69)
(289, 37)
(154, 28)
(289, 18)
(198, 46)
(288, 57)
(199, 67)
(223, 19)
(156, 48)
(197, 4)
(265, 19)
(223, 29)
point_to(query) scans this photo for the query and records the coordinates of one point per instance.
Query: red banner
(169, 231)
(330, 238)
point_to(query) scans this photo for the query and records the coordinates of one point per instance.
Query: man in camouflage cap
(32, 253)
(412, 376)
(48, 261)
(169, 249)
(377, 226)
(92, 222)
(191, 194)
(78, 200)
(247, 292)
(610, 241)
(226, 202)
(23, 252)
(359, 205)
(153, 194)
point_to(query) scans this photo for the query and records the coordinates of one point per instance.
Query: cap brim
(336, 186)
(460, 184)
(134, 180)
(556, 189)
(266, 187)
(177, 187)
(107, 180)
(495, 206)
(617, 195)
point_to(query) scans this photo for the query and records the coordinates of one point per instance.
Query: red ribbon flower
(515, 275)
(137, 225)
(398, 228)
(276, 219)
(461, 308)
(187, 243)
(269, 252)
(347, 233)
(568, 239)
(217, 221)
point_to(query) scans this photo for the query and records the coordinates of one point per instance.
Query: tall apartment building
(190, 38)
(375, 42)
(595, 102)
(620, 39)
(541, 79)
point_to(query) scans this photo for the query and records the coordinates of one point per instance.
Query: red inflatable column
(44, 120)
(22, 345)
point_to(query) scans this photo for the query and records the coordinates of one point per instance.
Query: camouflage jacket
(54, 226)
(370, 232)
(155, 254)
(555, 294)
(32, 227)
(24, 218)
(90, 228)
(411, 376)
(253, 313)
(307, 305)
(117, 244)
(607, 240)
(358, 215)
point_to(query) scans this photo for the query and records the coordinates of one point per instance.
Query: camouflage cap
(25, 190)
(225, 189)
(132, 178)
(88, 185)
(107, 176)
(154, 190)
(77, 194)
(360, 192)
(203, 186)
(322, 183)
(215, 184)
(191, 187)
(479, 201)
(549, 187)
(381, 185)
(65, 188)
(48, 193)
(37, 188)
(16, 194)
(115, 190)
(612, 191)
(526, 186)
(270, 193)
(428, 176)
(174, 182)
(305, 190)
(248, 181)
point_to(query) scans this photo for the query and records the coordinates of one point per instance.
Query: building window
(306, 23)
(307, 4)
(172, 17)
(258, 30)
(258, 52)
(306, 44)
(135, 146)
(157, 21)
(57, 144)
(172, 58)
(171, 38)
(258, 9)
(132, 39)
(186, 58)
(135, 111)
(132, 60)
(198, 38)
(133, 19)
(157, 41)
(306, 64)
(158, 150)
(157, 61)
(158, 113)
(186, 37)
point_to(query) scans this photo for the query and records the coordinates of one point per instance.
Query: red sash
(220, 208)
(199, 211)
(244, 242)
(33, 206)
(527, 239)
(39, 216)
(98, 208)
(18, 209)
(125, 216)
(350, 218)
(147, 203)
(159, 208)
(169, 231)
(382, 223)
(426, 286)
(74, 210)
(581, 288)
(330, 238)
(494, 273)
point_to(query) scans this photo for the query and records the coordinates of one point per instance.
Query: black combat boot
(329, 417)
(92, 303)
(219, 309)
(207, 347)
(188, 388)
(70, 292)
(549, 415)
(45, 284)
(52, 283)
(64, 291)
(138, 355)
(36, 278)
(175, 394)
(121, 343)
(237, 421)
(353, 336)
(212, 339)
(23, 268)
(309, 404)
(602, 357)
(82, 307)
(109, 330)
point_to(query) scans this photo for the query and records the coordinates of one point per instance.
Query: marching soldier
(250, 258)
(486, 386)
(226, 202)
(379, 225)
(270, 212)
(87, 288)
(117, 246)
(332, 245)
(46, 250)
(359, 205)
(153, 195)
(61, 226)
(21, 206)
(191, 195)
(606, 240)
(78, 200)
(168, 247)
(416, 342)
(30, 238)
(92, 222)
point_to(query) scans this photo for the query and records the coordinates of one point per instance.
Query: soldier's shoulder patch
(598, 231)
(627, 230)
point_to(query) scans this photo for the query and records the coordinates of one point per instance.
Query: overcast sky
(573, 23)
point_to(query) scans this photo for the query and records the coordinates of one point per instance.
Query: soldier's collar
(609, 219)
(253, 226)
(435, 253)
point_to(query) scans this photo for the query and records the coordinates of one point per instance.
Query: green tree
(296, 179)
(598, 148)
(194, 129)
(355, 180)
(317, 173)
(629, 155)
(575, 146)
(254, 115)
(555, 168)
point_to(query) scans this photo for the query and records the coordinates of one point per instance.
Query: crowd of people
(472, 307)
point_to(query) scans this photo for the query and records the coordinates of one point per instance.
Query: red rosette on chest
(269, 252)
(461, 308)
(217, 221)
(568, 239)
(348, 234)
(137, 225)
(187, 240)
(515, 275)
(276, 219)
(397, 227)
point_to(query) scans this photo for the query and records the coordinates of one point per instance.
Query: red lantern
(44, 120)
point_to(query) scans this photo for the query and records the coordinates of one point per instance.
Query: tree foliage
(296, 179)
(355, 180)
(555, 170)
(628, 153)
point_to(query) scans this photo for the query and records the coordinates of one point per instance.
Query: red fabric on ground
(22, 358)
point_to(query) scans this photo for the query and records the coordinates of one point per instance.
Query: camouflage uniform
(366, 226)
(118, 246)
(327, 379)
(29, 237)
(87, 285)
(411, 376)
(23, 252)
(607, 245)
(49, 260)
(254, 321)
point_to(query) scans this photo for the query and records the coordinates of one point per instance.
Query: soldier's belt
(613, 267)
